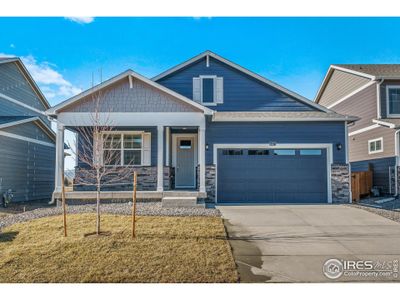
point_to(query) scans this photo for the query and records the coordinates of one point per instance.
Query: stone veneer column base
(340, 181)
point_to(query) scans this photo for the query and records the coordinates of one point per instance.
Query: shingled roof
(378, 70)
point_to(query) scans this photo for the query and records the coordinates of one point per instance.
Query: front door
(185, 168)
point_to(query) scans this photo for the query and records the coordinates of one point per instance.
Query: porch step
(176, 201)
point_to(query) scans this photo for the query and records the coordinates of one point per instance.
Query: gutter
(396, 147)
(378, 98)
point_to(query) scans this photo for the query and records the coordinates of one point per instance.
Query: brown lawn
(167, 249)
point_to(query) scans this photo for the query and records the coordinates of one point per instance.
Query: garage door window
(285, 152)
(258, 152)
(232, 152)
(310, 152)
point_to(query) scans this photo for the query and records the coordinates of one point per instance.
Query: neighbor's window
(258, 152)
(122, 149)
(375, 146)
(393, 99)
(232, 152)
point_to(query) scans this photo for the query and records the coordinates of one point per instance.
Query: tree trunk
(98, 209)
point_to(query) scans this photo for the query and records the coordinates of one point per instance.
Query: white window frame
(214, 77)
(373, 141)
(388, 87)
(122, 133)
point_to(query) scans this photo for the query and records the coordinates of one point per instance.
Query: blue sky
(62, 54)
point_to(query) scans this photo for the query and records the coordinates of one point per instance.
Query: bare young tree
(98, 149)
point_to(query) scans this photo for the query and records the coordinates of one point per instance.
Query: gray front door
(185, 157)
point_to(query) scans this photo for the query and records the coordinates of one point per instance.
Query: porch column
(59, 156)
(160, 156)
(167, 146)
(202, 161)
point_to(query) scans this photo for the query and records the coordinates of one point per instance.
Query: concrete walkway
(291, 243)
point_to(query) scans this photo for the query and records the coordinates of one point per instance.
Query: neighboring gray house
(371, 92)
(209, 128)
(27, 143)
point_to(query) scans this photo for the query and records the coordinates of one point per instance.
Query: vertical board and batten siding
(363, 105)
(14, 84)
(380, 169)
(383, 95)
(152, 130)
(278, 132)
(119, 97)
(358, 144)
(340, 84)
(27, 169)
(241, 91)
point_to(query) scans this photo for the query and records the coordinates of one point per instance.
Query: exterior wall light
(339, 146)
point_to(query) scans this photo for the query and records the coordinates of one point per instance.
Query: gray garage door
(272, 176)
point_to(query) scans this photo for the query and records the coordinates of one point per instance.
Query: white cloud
(81, 20)
(51, 82)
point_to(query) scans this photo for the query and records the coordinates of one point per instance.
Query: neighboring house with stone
(27, 143)
(372, 93)
(211, 129)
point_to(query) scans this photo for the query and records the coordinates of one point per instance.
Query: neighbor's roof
(9, 121)
(281, 116)
(260, 78)
(390, 123)
(28, 77)
(126, 74)
(377, 70)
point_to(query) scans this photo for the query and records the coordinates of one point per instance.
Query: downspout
(378, 99)
(396, 147)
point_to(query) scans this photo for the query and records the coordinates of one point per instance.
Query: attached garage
(262, 175)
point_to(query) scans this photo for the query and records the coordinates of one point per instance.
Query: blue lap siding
(278, 132)
(380, 169)
(241, 92)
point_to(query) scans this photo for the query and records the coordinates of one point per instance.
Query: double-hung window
(375, 146)
(122, 149)
(393, 100)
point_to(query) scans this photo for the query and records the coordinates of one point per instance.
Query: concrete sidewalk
(291, 243)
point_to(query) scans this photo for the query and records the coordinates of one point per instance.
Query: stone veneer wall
(210, 182)
(340, 179)
(147, 180)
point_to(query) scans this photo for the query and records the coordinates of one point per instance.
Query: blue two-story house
(214, 130)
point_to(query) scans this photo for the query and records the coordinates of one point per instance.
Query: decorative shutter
(146, 160)
(97, 143)
(219, 90)
(197, 89)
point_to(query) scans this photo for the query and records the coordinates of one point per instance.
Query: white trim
(175, 137)
(378, 99)
(201, 159)
(230, 116)
(244, 70)
(26, 139)
(22, 104)
(167, 145)
(329, 158)
(207, 61)
(383, 123)
(134, 119)
(387, 101)
(346, 142)
(372, 141)
(160, 157)
(59, 164)
(130, 82)
(14, 123)
(352, 94)
(364, 129)
(54, 110)
(362, 74)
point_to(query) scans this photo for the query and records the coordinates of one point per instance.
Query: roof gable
(129, 91)
(19, 75)
(208, 57)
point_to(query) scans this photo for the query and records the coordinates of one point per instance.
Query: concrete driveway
(291, 243)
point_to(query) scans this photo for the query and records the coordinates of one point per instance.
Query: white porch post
(160, 156)
(202, 161)
(59, 156)
(167, 146)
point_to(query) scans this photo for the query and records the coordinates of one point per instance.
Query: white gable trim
(26, 139)
(328, 76)
(22, 104)
(131, 75)
(50, 133)
(243, 70)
